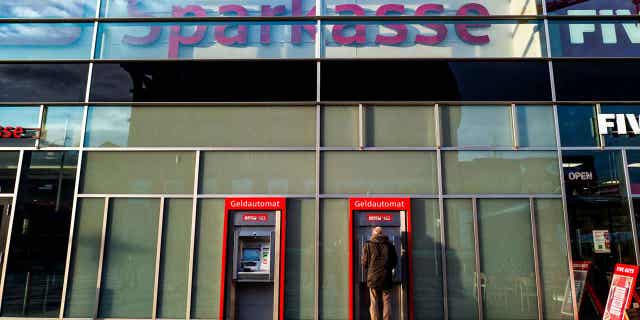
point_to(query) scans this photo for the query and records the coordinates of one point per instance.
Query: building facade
(510, 128)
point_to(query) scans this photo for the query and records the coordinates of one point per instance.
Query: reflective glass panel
(633, 165)
(300, 261)
(138, 172)
(24, 117)
(536, 126)
(206, 40)
(435, 39)
(41, 82)
(578, 126)
(174, 262)
(506, 259)
(462, 290)
(495, 172)
(203, 8)
(426, 259)
(61, 127)
(47, 8)
(439, 7)
(476, 126)
(183, 126)
(405, 126)
(590, 7)
(340, 126)
(8, 168)
(378, 172)
(595, 38)
(260, 172)
(83, 272)
(334, 259)
(50, 41)
(130, 257)
(623, 127)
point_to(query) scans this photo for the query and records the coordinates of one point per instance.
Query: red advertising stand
(394, 215)
(623, 286)
(254, 211)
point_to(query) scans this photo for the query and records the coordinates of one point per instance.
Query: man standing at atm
(379, 259)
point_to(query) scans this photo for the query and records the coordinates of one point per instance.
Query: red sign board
(621, 291)
(257, 217)
(379, 217)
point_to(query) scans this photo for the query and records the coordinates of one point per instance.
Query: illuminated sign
(379, 217)
(621, 123)
(255, 217)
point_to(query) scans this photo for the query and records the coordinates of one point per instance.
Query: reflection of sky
(46, 8)
(19, 116)
(108, 126)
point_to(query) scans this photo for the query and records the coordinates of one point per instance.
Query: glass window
(388, 80)
(436, 39)
(599, 217)
(406, 126)
(578, 126)
(130, 258)
(536, 126)
(39, 240)
(427, 259)
(604, 80)
(45, 41)
(61, 127)
(334, 259)
(174, 260)
(379, 172)
(83, 272)
(183, 126)
(552, 252)
(24, 117)
(206, 40)
(589, 7)
(284, 80)
(8, 168)
(207, 264)
(42, 82)
(633, 162)
(464, 126)
(340, 126)
(47, 9)
(616, 136)
(495, 172)
(282, 172)
(506, 259)
(595, 38)
(300, 260)
(461, 260)
(139, 172)
(450, 7)
(164, 8)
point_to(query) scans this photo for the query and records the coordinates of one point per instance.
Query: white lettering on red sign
(255, 217)
(379, 204)
(619, 296)
(379, 218)
(255, 203)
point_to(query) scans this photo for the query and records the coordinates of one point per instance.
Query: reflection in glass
(8, 168)
(461, 260)
(130, 255)
(50, 41)
(61, 127)
(50, 82)
(449, 7)
(578, 126)
(25, 117)
(633, 165)
(334, 259)
(40, 235)
(506, 259)
(404, 126)
(597, 206)
(464, 126)
(616, 136)
(499, 172)
(536, 126)
(206, 40)
(47, 8)
(300, 259)
(435, 39)
(165, 8)
(595, 38)
(339, 126)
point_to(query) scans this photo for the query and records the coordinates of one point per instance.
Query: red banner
(621, 291)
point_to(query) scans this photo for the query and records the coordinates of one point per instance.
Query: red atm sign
(255, 217)
(379, 217)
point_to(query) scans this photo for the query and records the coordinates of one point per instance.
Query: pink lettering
(265, 29)
(463, 29)
(440, 29)
(360, 36)
(176, 38)
(220, 32)
(296, 29)
(400, 29)
(154, 31)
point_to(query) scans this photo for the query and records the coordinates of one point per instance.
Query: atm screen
(251, 254)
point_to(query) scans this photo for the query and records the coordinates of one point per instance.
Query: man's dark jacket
(379, 257)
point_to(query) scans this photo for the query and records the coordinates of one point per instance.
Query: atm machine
(393, 215)
(253, 259)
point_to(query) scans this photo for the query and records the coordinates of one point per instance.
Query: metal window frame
(7, 247)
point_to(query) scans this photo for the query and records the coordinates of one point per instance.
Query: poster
(601, 241)
(580, 273)
(620, 291)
